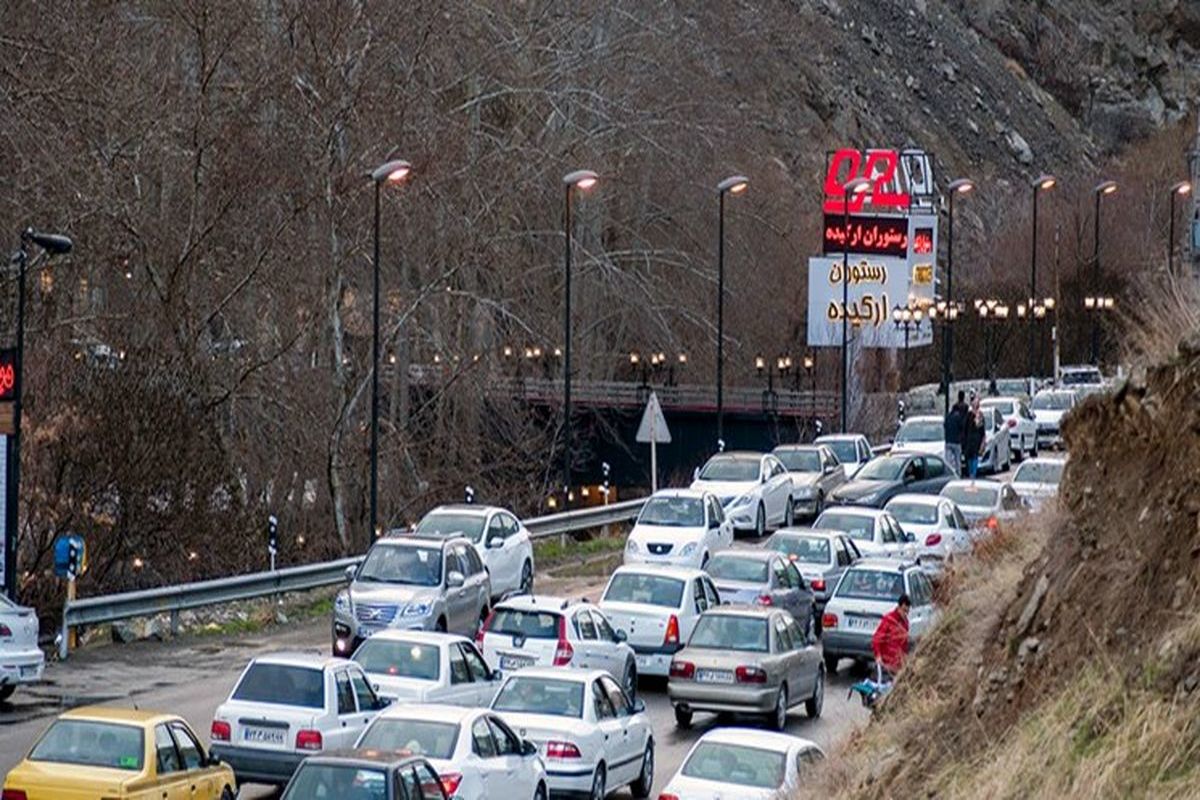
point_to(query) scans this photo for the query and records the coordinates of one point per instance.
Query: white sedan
(593, 737)
(502, 541)
(1037, 480)
(475, 753)
(21, 660)
(745, 763)
(679, 527)
(875, 532)
(853, 450)
(427, 667)
(657, 607)
(940, 529)
(983, 503)
(923, 434)
(754, 489)
(1022, 425)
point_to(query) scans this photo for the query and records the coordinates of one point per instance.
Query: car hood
(697, 789)
(932, 448)
(725, 490)
(665, 533)
(393, 594)
(804, 478)
(858, 488)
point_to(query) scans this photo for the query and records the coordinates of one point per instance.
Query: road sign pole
(653, 455)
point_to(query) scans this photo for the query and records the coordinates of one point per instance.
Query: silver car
(821, 556)
(412, 583)
(762, 578)
(749, 660)
(815, 473)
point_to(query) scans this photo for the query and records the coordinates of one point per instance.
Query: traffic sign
(653, 428)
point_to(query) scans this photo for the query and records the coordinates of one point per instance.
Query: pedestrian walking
(952, 432)
(973, 438)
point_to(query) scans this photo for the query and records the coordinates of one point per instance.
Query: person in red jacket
(890, 642)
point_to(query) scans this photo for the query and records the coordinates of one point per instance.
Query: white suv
(21, 660)
(286, 707)
(679, 527)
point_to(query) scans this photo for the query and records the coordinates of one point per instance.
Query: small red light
(1012, 423)
(221, 731)
(829, 621)
(933, 539)
(450, 783)
(564, 652)
(14, 794)
(992, 523)
(764, 600)
(667, 796)
(672, 636)
(683, 669)
(818, 584)
(750, 674)
(487, 623)
(562, 750)
(309, 740)
(5, 630)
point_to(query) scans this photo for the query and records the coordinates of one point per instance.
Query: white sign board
(653, 428)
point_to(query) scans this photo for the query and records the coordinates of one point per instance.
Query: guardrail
(174, 599)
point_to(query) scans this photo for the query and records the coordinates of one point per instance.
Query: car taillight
(309, 740)
(672, 636)
(450, 782)
(829, 620)
(933, 539)
(487, 623)
(1012, 423)
(14, 794)
(666, 796)
(750, 674)
(682, 669)
(221, 731)
(992, 523)
(564, 652)
(764, 600)
(818, 584)
(562, 750)
(5, 630)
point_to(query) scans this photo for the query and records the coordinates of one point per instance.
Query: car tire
(440, 626)
(644, 784)
(526, 579)
(760, 522)
(540, 792)
(778, 718)
(814, 704)
(831, 663)
(789, 514)
(599, 790)
(227, 794)
(629, 680)
(7, 691)
(819, 508)
(683, 717)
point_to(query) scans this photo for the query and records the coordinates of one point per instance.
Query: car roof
(127, 716)
(558, 673)
(682, 573)
(539, 602)
(923, 418)
(1052, 459)
(738, 454)
(741, 610)
(1001, 399)
(414, 539)
(839, 437)
(685, 493)
(823, 533)
(464, 508)
(797, 447)
(756, 737)
(858, 511)
(984, 482)
(883, 565)
(431, 712)
(918, 499)
(301, 659)
(420, 637)
(365, 756)
(751, 555)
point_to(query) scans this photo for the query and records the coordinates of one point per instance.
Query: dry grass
(1167, 312)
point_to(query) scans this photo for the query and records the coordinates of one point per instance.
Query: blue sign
(62, 554)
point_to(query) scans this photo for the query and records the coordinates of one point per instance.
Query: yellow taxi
(112, 753)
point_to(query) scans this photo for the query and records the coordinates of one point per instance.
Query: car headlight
(631, 546)
(417, 609)
(806, 493)
(341, 603)
(688, 549)
(869, 499)
(741, 501)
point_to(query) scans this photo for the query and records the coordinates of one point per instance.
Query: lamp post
(581, 179)
(1040, 184)
(849, 189)
(960, 186)
(1178, 190)
(1102, 189)
(391, 172)
(991, 312)
(1098, 305)
(810, 367)
(907, 318)
(734, 184)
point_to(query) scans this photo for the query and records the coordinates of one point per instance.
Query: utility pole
(1193, 221)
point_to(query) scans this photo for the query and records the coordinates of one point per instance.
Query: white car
(875, 532)
(657, 608)
(815, 472)
(754, 489)
(543, 631)
(1037, 480)
(745, 763)
(474, 752)
(852, 449)
(922, 434)
(983, 503)
(679, 527)
(593, 736)
(286, 707)
(1049, 407)
(1022, 425)
(501, 539)
(21, 660)
(997, 452)
(941, 531)
(1084, 379)
(423, 667)
(867, 591)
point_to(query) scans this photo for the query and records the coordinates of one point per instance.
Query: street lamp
(1040, 184)
(960, 186)
(991, 312)
(1178, 190)
(1103, 188)
(579, 179)
(391, 172)
(849, 189)
(810, 367)
(1098, 305)
(734, 184)
(907, 318)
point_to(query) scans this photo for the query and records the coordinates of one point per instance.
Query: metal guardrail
(174, 599)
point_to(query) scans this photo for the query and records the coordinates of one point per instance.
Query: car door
(960, 540)
(478, 585)
(517, 771)
(457, 597)
(587, 653)
(612, 732)
(804, 596)
(918, 592)
(630, 744)
(724, 530)
(781, 480)
(611, 652)
(714, 600)
(202, 778)
(832, 474)
(777, 584)
(171, 781)
(807, 657)
(495, 557)
(366, 703)
(484, 685)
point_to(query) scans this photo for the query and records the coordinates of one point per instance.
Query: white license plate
(861, 623)
(515, 662)
(714, 676)
(28, 672)
(264, 735)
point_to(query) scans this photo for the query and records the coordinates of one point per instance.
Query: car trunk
(18, 629)
(399, 688)
(739, 592)
(645, 625)
(53, 781)
(542, 728)
(511, 652)
(264, 726)
(717, 666)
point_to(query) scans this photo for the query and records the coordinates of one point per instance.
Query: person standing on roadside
(952, 431)
(890, 642)
(973, 436)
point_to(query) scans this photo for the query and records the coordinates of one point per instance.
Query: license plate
(861, 623)
(714, 676)
(28, 672)
(515, 662)
(264, 735)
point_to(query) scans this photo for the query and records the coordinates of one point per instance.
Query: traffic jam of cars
(449, 676)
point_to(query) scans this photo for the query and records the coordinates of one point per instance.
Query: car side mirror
(528, 748)
(497, 674)
(908, 537)
(638, 706)
(382, 703)
(620, 636)
(350, 573)
(495, 542)
(714, 523)
(455, 579)
(212, 760)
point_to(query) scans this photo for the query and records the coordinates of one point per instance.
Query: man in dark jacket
(973, 438)
(890, 642)
(952, 430)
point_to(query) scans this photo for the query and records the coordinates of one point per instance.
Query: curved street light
(1178, 190)
(1041, 183)
(583, 179)
(957, 187)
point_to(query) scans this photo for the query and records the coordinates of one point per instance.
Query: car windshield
(387, 563)
(736, 568)
(1018, 387)
(870, 584)
(915, 513)
(91, 744)
(972, 494)
(541, 696)
(1052, 401)
(887, 468)
(805, 549)
(444, 525)
(283, 685)
(800, 460)
(673, 512)
(731, 468)
(418, 736)
(1082, 377)
(845, 450)
(856, 526)
(329, 781)
(653, 590)
(730, 632)
(920, 430)
(399, 659)
(1039, 472)
(529, 624)
(1005, 407)
(737, 764)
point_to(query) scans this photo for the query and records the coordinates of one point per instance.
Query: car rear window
(856, 526)
(915, 513)
(445, 525)
(1039, 472)
(733, 568)
(730, 632)
(805, 549)
(737, 764)
(653, 590)
(283, 685)
(871, 584)
(530, 624)
(541, 696)
(337, 780)
(92, 744)
(983, 496)
(800, 460)
(400, 659)
(418, 736)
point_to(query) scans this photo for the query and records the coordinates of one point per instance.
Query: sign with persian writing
(874, 285)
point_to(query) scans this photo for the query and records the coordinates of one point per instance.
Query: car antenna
(564, 605)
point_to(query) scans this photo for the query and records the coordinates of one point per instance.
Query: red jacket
(890, 642)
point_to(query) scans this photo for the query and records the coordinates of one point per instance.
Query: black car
(887, 476)
(365, 775)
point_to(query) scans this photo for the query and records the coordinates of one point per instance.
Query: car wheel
(645, 783)
(820, 507)
(831, 663)
(227, 794)
(630, 681)
(527, 578)
(789, 514)
(440, 627)
(7, 691)
(598, 792)
(760, 522)
(540, 794)
(814, 704)
(778, 718)
(683, 717)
